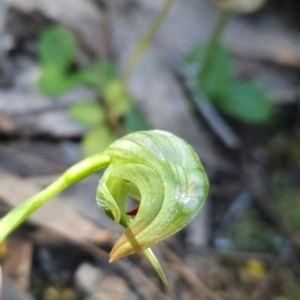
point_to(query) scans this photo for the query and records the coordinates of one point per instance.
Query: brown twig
(264, 289)
(143, 285)
(209, 113)
(185, 273)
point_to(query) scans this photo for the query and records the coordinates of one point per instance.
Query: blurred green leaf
(219, 72)
(54, 82)
(242, 100)
(135, 121)
(116, 97)
(89, 113)
(96, 140)
(100, 74)
(57, 46)
(245, 101)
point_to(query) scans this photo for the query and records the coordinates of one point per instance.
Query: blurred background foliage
(111, 109)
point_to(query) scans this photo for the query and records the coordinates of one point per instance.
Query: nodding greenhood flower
(240, 6)
(158, 169)
(164, 174)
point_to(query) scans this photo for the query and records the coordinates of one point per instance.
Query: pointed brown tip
(111, 260)
(113, 257)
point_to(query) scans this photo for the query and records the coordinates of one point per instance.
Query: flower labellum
(164, 174)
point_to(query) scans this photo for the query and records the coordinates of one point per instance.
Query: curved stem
(214, 40)
(146, 39)
(74, 174)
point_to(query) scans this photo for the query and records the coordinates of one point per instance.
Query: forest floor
(245, 242)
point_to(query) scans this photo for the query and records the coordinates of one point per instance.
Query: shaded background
(245, 242)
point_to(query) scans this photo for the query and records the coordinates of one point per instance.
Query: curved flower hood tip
(164, 174)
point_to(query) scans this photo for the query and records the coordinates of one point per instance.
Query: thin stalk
(74, 174)
(214, 40)
(146, 40)
(156, 265)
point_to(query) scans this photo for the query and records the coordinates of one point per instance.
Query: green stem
(74, 174)
(156, 265)
(214, 41)
(146, 39)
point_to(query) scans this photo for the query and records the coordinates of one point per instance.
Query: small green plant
(210, 65)
(57, 51)
(158, 169)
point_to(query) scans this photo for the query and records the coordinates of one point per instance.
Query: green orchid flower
(158, 169)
